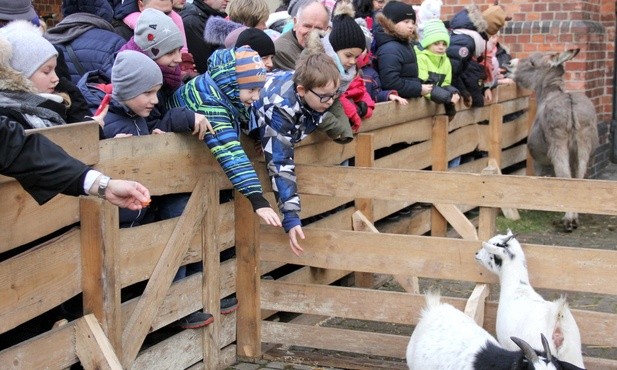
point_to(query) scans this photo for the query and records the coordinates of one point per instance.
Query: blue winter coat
(280, 120)
(396, 61)
(93, 42)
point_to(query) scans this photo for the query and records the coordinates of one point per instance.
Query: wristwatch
(103, 182)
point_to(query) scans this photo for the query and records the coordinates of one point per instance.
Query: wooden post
(365, 157)
(100, 266)
(248, 316)
(531, 112)
(439, 151)
(92, 346)
(211, 277)
(495, 124)
(487, 216)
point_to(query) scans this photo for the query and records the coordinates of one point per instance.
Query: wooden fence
(90, 255)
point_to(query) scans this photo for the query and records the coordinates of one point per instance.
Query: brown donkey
(564, 134)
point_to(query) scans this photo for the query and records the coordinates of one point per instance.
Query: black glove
(450, 110)
(361, 108)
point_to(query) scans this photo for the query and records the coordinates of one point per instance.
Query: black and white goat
(522, 312)
(447, 339)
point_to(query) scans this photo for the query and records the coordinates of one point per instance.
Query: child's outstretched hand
(269, 216)
(201, 126)
(426, 89)
(396, 98)
(455, 98)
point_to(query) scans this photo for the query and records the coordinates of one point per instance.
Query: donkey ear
(563, 57)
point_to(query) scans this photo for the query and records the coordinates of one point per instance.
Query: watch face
(103, 182)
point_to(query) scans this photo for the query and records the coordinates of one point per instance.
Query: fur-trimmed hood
(469, 18)
(389, 28)
(217, 29)
(10, 79)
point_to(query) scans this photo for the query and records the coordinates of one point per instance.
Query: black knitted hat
(346, 33)
(258, 40)
(397, 11)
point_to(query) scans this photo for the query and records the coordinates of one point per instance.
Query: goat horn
(510, 238)
(528, 352)
(547, 349)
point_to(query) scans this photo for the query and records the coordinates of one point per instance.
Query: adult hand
(125, 194)
(295, 233)
(201, 126)
(269, 216)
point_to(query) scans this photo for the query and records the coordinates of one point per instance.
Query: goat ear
(492, 249)
(563, 57)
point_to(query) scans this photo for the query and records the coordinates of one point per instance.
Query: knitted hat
(434, 30)
(30, 49)
(133, 73)
(17, 9)
(157, 34)
(250, 70)
(346, 33)
(257, 40)
(398, 11)
(495, 18)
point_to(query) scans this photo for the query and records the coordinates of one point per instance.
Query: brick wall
(557, 25)
(46, 8)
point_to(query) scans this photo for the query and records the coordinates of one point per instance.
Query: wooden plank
(24, 215)
(365, 157)
(539, 193)
(493, 168)
(409, 283)
(93, 348)
(458, 220)
(181, 299)
(347, 302)
(166, 354)
(248, 278)
(138, 325)
(532, 112)
(39, 279)
(99, 260)
(337, 360)
(600, 363)
(375, 344)
(573, 269)
(54, 349)
(475, 304)
(396, 113)
(182, 158)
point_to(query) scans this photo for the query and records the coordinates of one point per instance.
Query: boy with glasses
(290, 107)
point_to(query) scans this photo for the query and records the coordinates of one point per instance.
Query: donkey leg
(560, 157)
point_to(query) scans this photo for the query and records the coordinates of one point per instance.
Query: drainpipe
(614, 113)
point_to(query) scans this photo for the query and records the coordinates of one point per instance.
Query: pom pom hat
(250, 70)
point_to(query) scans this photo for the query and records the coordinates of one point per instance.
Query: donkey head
(531, 71)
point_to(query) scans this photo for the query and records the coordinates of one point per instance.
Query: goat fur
(564, 134)
(445, 338)
(522, 312)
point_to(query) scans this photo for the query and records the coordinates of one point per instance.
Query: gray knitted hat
(133, 73)
(30, 49)
(157, 34)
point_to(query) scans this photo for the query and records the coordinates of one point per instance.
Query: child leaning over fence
(434, 66)
(291, 106)
(223, 95)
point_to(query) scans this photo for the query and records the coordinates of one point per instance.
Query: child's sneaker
(229, 305)
(195, 320)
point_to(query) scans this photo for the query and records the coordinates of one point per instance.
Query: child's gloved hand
(361, 108)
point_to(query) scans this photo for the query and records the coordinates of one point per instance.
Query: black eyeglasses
(326, 98)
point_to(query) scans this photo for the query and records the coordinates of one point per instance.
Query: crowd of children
(152, 66)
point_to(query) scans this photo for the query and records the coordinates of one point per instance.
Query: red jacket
(355, 93)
